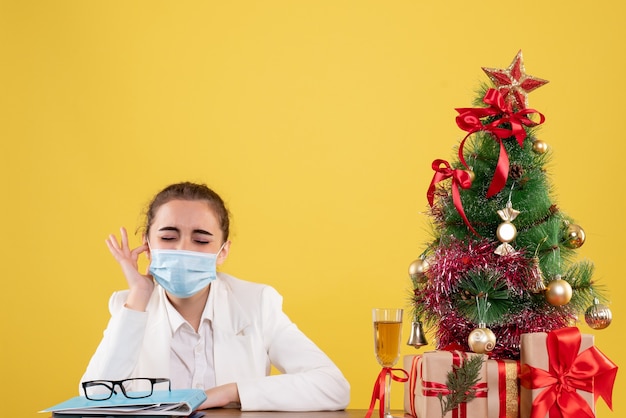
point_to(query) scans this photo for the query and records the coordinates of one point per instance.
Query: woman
(203, 329)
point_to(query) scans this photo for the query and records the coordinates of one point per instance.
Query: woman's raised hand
(141, 285)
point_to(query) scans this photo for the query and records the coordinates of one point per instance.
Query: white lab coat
(250, 333)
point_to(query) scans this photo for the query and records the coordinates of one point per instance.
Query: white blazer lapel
(155, 356)
(233, 337)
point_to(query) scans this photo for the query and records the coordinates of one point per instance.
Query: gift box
(427, 378)
(503, 388)
(410, 364)
(562, 374)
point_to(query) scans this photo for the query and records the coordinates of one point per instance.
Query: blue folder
(164, 403)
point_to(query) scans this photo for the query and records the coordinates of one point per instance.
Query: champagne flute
(387, 335)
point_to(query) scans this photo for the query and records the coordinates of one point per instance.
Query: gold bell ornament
(417, 338)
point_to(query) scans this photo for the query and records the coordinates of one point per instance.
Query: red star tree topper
(514, 83)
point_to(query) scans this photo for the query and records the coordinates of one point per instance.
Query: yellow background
(316, 120)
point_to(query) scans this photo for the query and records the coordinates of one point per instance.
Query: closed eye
(202, 237)
(170, 233)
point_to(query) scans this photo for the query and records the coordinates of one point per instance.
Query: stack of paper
(175, 403)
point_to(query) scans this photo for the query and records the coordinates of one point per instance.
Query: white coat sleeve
(118, 352)
(310, 381)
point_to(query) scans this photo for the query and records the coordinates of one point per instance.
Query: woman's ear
(144, 240)
(221, 257)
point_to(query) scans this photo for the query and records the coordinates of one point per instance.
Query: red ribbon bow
(379, 389)
(590, 371)
(459, 178)
(469, 119)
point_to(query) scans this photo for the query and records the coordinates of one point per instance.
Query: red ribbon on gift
(469, 119)
(459, 178)
(502, 393)
(435, 388)
(590, 371)
(379, 389)
(413, 384)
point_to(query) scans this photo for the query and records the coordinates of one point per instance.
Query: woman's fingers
(121, 249)
(113, 245)
(124, 235)
(137, 251)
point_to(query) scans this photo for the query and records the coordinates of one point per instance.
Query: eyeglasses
(101, 390)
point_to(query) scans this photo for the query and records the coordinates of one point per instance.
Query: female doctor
(201, 329)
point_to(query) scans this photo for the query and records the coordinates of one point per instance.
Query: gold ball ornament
(481, 340)
(417, 270)
(598, 315)
(574, 236)
(540, 147)
(558, 292)
(472, 175)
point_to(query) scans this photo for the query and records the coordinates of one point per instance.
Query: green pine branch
(461, 382)
(486, 285)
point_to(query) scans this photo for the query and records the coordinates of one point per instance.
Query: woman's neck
(191, 308)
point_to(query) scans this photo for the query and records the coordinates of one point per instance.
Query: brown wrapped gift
(410, 364)
(503, 387)
(533, 352)
(427, 377)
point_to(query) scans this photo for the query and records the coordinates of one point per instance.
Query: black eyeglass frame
(110, 385)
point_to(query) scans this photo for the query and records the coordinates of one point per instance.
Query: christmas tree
(502, 260)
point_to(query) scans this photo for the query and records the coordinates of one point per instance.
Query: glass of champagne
(387, 335)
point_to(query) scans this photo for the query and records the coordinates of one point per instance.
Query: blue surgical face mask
(183, 273)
